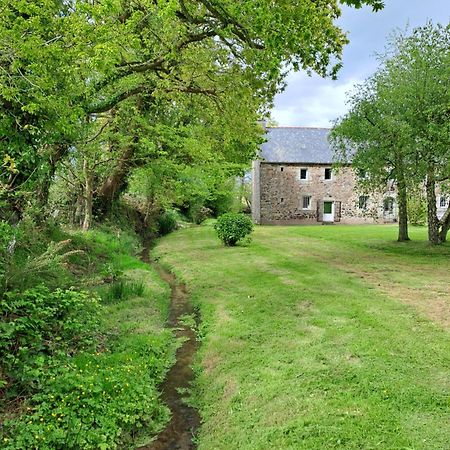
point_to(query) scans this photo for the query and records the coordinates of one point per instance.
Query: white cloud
(313, 101)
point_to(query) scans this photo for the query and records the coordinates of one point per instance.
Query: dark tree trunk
(115, 184)
(445, 225)
(402, 203)
(88, 195)
(433, 221)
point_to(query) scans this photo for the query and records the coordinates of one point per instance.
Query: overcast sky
(314, 101)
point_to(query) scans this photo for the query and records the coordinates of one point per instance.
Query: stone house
(294, 182)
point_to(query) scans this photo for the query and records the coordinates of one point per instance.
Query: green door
(327, 207)
(328, 211)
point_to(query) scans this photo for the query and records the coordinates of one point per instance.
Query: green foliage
(37, 325)
(7, 243)
(65, 63)
(111, 272)
(417, 208)
(233, 227)
(45, 266)
(198, 213)
(96, 401)
(398, 126)
(31, 254)
(167, 222)
(80, 374)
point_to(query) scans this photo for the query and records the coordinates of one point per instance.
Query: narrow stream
(185, 420)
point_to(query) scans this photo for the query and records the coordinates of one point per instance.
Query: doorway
(328, 211)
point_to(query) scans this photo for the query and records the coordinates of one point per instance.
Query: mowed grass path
(319, 338)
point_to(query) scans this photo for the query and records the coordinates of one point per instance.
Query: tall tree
(64, 60)
(422, 68)
(398, 125)
(376, 142)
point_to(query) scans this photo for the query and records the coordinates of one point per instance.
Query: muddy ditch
(179, 433)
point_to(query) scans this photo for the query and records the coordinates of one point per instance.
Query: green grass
(109, 396)
(319, 338)
(136, 307)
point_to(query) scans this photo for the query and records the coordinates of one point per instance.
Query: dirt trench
(179, 433)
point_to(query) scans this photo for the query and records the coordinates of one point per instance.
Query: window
(328, 173)
(388, 205)
(281, 169)
(362, 203)
(306, 202)
(443, 201)
(303, 174)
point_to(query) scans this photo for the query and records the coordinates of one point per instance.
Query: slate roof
(297, 145)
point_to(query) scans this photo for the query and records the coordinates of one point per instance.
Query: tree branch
(109, 103)
(98, 133)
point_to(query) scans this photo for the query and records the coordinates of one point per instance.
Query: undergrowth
(82, 343)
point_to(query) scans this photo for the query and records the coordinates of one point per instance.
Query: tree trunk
(58, 152)
(402, 202)
(78, 211)
(445, 225)
(88, 195)
(116, 183)
(433, 221)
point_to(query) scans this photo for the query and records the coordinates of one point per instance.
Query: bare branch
(98, 133)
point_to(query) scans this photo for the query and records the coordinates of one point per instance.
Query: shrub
(167, 222)
(417, 209)
(232, 227)
(199, 213)
(38, 325)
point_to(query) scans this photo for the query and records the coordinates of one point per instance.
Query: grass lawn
(319, 337)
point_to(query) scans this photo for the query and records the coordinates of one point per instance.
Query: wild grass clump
(122, 290)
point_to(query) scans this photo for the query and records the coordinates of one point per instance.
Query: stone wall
(282, 190)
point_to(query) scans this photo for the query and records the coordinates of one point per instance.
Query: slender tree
(398, 124)
(376, 143)
(422, 66)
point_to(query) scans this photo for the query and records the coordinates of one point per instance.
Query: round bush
(232, 227)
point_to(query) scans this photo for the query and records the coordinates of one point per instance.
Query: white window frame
(300, 174)
(443, 201)
(304, 197)
(388, 205)
(366, 202)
